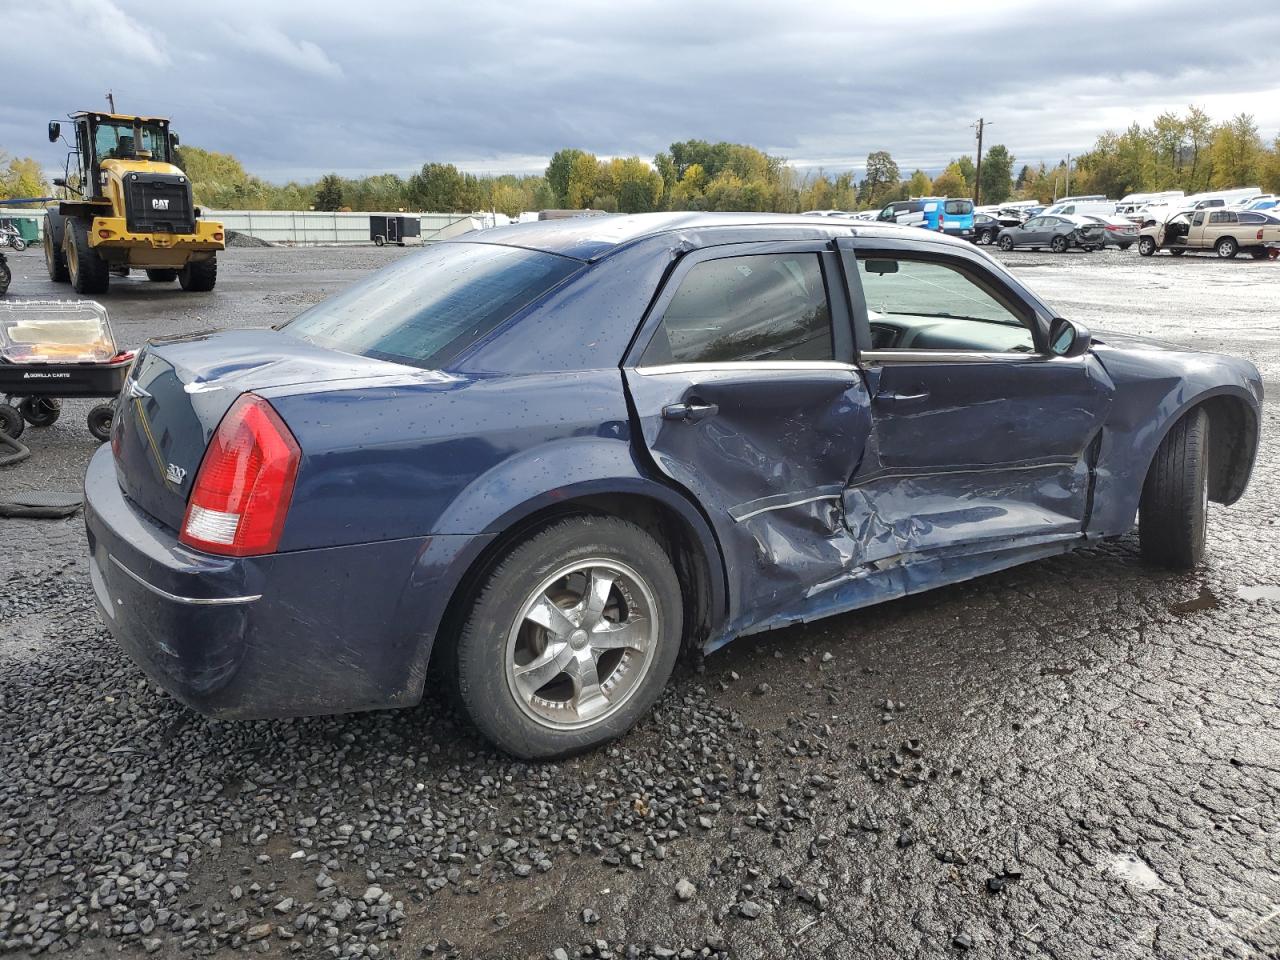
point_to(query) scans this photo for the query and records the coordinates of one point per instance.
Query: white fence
(312, 227)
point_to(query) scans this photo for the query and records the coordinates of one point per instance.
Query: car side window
(1035, 223)
(918, 304)
(759, 307)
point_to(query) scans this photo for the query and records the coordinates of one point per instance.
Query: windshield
(959, 207)
(428, 308)
(120, 140)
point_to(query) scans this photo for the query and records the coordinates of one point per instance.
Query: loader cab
(105, 136)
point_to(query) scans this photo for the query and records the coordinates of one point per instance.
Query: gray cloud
(297, 89)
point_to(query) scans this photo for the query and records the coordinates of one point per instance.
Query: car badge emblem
(174, 474)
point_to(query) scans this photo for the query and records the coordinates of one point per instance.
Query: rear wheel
(1227, 248)
(1059, 244)
(199, 276)
(379, 240)
(987, 237)
(571, 638)
(89, 272)
(41, 411)
(163, 275)
(1175, 496)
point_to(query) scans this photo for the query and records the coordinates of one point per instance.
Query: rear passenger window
(762, 307)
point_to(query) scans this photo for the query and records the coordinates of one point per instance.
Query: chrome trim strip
(951, 356)
(195, 601)
(746, 366)
(784, 506)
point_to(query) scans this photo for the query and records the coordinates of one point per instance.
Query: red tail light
(942, 221)
(1259, 234)
(242, 490)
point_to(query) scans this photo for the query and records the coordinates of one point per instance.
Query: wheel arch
(1233, 439)
(666, 514)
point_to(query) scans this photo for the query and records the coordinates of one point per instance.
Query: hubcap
(581, 643)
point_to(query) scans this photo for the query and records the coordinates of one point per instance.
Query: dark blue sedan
(544, 458)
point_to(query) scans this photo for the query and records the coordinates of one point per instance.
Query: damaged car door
(982, 439)
(744, 388)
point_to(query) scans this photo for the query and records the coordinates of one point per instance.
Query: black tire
(55, 260)
(1177, 251)
(11, 422)
(1227, 248)
(41, 411)
(479, 658)
(18, 244)
(5, 276)
(199, 276)
(89, 272)
(1258, 253)
(379, 240)
(99, 421)
(1147, 247)
(1059, 244)
(1006, 243)
(1171, 516)
(1124, 246)
(987, 237)
(162, 275)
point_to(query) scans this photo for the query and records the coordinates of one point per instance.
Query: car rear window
(959, 208)
(429, 307)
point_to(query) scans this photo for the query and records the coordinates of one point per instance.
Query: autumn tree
(21, 177)
(919, 184)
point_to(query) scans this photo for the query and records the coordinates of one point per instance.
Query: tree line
(1187, 151)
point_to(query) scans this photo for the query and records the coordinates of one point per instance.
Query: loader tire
(162, 275)
(89, 272)
(199, 276)
(54, 259)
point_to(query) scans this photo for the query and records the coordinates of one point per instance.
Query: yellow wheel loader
(129, 206)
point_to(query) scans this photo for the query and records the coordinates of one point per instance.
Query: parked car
(1058, 233)
(1083, 208)
(543, 458)
(1119, 231)
(986, 228)
(1226, 232)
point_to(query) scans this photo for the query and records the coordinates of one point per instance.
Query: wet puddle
(1266, 591)
(1204, 601)
(1133, 871)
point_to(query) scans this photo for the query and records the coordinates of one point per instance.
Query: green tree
(583, 173)
(329, 192)
(1199, 134)
(439, 188)
(881, 178)
(964, 166)
(1236, 151)
(558, 172)
(919, 184)
(997, 174)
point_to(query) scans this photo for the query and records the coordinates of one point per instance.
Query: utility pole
(977, 172)
(111, 101)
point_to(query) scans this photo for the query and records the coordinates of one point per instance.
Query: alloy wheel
(581, 644)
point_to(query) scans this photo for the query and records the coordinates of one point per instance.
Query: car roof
(592, 238)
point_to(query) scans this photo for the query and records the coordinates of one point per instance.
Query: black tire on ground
(987, 238)
(1124, 246)
(89, 272)
(379, 240)
(1006, 243)
(1227, 248)
(99, 421)
(54, 259)
(162, 275)
(5, 276)
(1178, 251)
(199, 276)
(1258, 253)
(18, 244)
(1171, 516)
(1146, 247)
(41, 411)
(11, 422)
(479, 658)
(1059, 244)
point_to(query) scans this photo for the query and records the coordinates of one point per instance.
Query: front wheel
(1227, 248)
(1006, 243)
(18, 244)
(199, 276)
(1175, 496)
(88, 271)
(571, 638)
(1146, 247)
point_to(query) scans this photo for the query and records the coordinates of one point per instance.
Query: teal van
(943, 214)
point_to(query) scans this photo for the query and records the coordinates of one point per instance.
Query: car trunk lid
(179, 390)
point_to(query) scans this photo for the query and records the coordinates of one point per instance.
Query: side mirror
(55, 131)
(1067, 339)
(173, 138)
(59, 181)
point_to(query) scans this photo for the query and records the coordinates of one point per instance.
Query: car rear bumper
(309, 632)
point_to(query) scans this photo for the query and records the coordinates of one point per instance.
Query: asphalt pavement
(1076, 758)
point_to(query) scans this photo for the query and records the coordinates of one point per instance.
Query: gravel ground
(1076, 758)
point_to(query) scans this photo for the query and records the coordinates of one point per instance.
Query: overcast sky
(297, 88)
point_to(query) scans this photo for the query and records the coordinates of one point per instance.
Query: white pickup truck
(1226, 232)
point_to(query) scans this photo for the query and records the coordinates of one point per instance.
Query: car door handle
(690, 412)
(902, 397)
